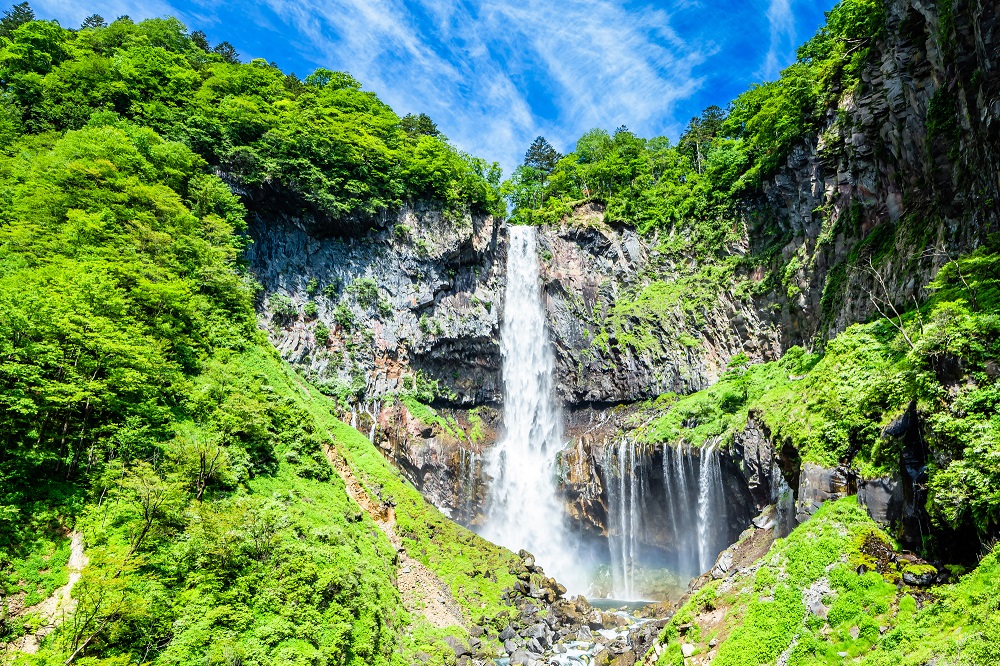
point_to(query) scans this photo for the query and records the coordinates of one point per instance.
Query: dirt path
(422, 591)
(55, 608)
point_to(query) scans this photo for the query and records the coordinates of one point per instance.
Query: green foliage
(283, 307)
(322, 334)
(140, 401)
(961, 626)
(832, 408)
(344, 316)
(766, 614)
(325, 144)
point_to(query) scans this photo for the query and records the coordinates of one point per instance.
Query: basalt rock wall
(904, 175)
(414, 301)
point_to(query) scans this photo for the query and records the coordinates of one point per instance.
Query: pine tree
(542, 156)
(200, 39)
(94, 21)
(15, 17)
(228, 53)
(700, 132)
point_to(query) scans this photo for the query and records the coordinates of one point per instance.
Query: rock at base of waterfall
(687, 650)
(523, 658)
(624, 659)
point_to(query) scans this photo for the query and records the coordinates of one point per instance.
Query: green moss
(767, 616)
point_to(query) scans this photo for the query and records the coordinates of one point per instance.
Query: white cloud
(782, 24)
(495, 74)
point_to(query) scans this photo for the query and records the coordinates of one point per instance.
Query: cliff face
(415, 300)
(902, 178)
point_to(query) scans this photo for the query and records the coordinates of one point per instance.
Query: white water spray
(525, 511)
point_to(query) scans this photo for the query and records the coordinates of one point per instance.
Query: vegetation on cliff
(834, 408)
(833, 592)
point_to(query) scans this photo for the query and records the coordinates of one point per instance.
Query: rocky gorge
(413, 306)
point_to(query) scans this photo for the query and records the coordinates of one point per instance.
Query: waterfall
(626, 488)
(711, 506)
(525, 510)
(696, 506)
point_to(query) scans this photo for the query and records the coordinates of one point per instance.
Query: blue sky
(495, 74)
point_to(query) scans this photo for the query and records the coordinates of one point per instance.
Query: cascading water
(696, 506)
(711, 506)
(678, 473)
(525, 511)
(626, 486)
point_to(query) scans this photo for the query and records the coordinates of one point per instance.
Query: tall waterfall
(525, 511)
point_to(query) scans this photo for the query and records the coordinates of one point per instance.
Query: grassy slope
(475, 569)
(762, 613)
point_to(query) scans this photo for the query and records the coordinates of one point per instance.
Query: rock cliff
(901, 179)
(412, 302)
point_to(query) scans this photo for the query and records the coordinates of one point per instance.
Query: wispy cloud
(495, 74)
(782, 23)
(72, 12)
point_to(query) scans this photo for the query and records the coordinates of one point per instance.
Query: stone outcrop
(444, 460)
(416, 299)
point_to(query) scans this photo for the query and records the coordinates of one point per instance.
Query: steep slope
(144, 412)
(835, 591)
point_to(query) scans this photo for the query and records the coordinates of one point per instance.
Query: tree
(700, 132)
(542, 156)
(200, 39)
(228, 53)
(94, 21)
(15, 17)
(419, 125)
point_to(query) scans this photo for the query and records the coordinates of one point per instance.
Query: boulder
(819, 484)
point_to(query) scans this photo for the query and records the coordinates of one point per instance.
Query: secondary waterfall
(696, 503)
(525, 511)
(627, 486)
